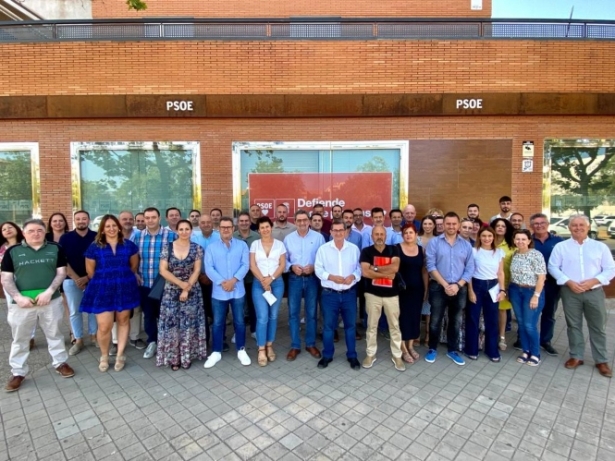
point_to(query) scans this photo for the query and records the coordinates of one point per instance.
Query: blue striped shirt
(150, 247)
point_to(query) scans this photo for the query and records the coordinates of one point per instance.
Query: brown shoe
(32, 344)
(65, 371)
(604, 370)
(14, 383)
(314, 352)
(571, 364)
(292, 354)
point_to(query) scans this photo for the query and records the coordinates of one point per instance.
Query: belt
(331, 290)
(303, 275)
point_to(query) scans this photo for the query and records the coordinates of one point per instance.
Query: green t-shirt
(34, 269)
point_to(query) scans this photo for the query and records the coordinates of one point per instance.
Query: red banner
(304, 190)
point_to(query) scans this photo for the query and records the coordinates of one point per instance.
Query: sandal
(120, 361)
(174, 367)
(187, 367)
(415, 355)
(103, 363)
(523, 358)
(262, 357)
(270, 353)
(406, 357)
(533, 361)
(471, 357)
(502, 344)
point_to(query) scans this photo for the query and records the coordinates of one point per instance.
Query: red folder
(382, 261)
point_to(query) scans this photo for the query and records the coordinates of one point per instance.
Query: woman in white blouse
(488, 272)
(267, 263)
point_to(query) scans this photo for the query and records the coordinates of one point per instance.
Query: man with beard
(127, 221)
(319, 208)
(216, 216)
(359, 225)
(140, 221)
(255, 213)
(194, 216)
(351, 235)
(505, 209)
(316, 223)
(281, 226)
(74, 244)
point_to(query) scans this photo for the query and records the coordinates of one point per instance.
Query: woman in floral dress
(181, 327)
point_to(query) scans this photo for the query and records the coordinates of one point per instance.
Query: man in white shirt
(505, 209)
(337, 266)
(582, 266)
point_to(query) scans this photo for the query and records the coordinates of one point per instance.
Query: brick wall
(291, 8)
(308, 67)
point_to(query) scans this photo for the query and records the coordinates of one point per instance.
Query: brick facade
(291, 8)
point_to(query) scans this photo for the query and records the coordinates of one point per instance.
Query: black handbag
(158, 287)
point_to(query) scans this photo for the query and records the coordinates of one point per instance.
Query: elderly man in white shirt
(337, 266)
(582, 266)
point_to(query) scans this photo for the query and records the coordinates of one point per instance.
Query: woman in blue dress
(111, 263)
(181, 326)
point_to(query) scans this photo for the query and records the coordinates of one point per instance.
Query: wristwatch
(272, 277)
(375, 268)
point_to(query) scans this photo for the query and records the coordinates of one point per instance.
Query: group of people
(186, 276)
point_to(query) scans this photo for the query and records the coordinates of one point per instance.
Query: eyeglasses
(539, 223)
(226, 227)
(338, 230)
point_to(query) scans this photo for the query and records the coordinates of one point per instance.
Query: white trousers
(9, 301)
(135, 326)
(23, 320)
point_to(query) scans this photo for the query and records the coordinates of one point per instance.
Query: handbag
(157, 289)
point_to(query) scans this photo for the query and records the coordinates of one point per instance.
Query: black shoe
(517, 345)
(354, 364)
(324, 363)
(548, 349)
(225, 347)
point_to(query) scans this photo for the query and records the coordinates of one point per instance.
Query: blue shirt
(150, 247)
(198, 238)
(368, 242)
(454, 262)
(225, 262)
(546, 248)
(300, 250)
(75, 246)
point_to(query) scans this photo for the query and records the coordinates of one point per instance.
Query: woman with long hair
(504, 241)
(57, 225)
(488, 273)
(11, 235)
(182, 331)
(528, 273)
(267, 263)
(413, 272)
(111, 263)
(426, 233)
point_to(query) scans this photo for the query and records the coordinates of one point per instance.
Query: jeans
(74, 294)
(266, 315)
(547, 319)
(332, 304)
(527, 318)
(250, 310)
(440, 301)
(307, 288)
(491, 316)
(220, 308)
(151, 312)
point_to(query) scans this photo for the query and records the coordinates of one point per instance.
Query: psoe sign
(469, 104)
(180, 106)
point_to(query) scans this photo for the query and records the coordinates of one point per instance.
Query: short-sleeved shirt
(34, 269)
(486, 263)
(372, 256)
(526, 267)
(267, 264)
(75, 246)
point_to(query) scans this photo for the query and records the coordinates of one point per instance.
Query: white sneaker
(214, 358)
(150, 351)
(233, 338)
(242, 355)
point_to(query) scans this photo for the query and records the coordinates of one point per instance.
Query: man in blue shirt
(301, 247)
(351, 235)
(226, 264)
(450, 264)
(544, 242)
(75, 243)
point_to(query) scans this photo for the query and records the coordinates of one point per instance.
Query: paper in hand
(268, 295)
(494, 291)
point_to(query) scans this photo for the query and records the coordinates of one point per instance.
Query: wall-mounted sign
(469, 104)
(180, 106)
(476, 4)
(304, 190)
(528, 148)
(527, 165)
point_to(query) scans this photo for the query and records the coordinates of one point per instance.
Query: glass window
(19, 182)
(109, 177)
(353, 174)
(580, 178)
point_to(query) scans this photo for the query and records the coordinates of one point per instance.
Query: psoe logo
(266, 205)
